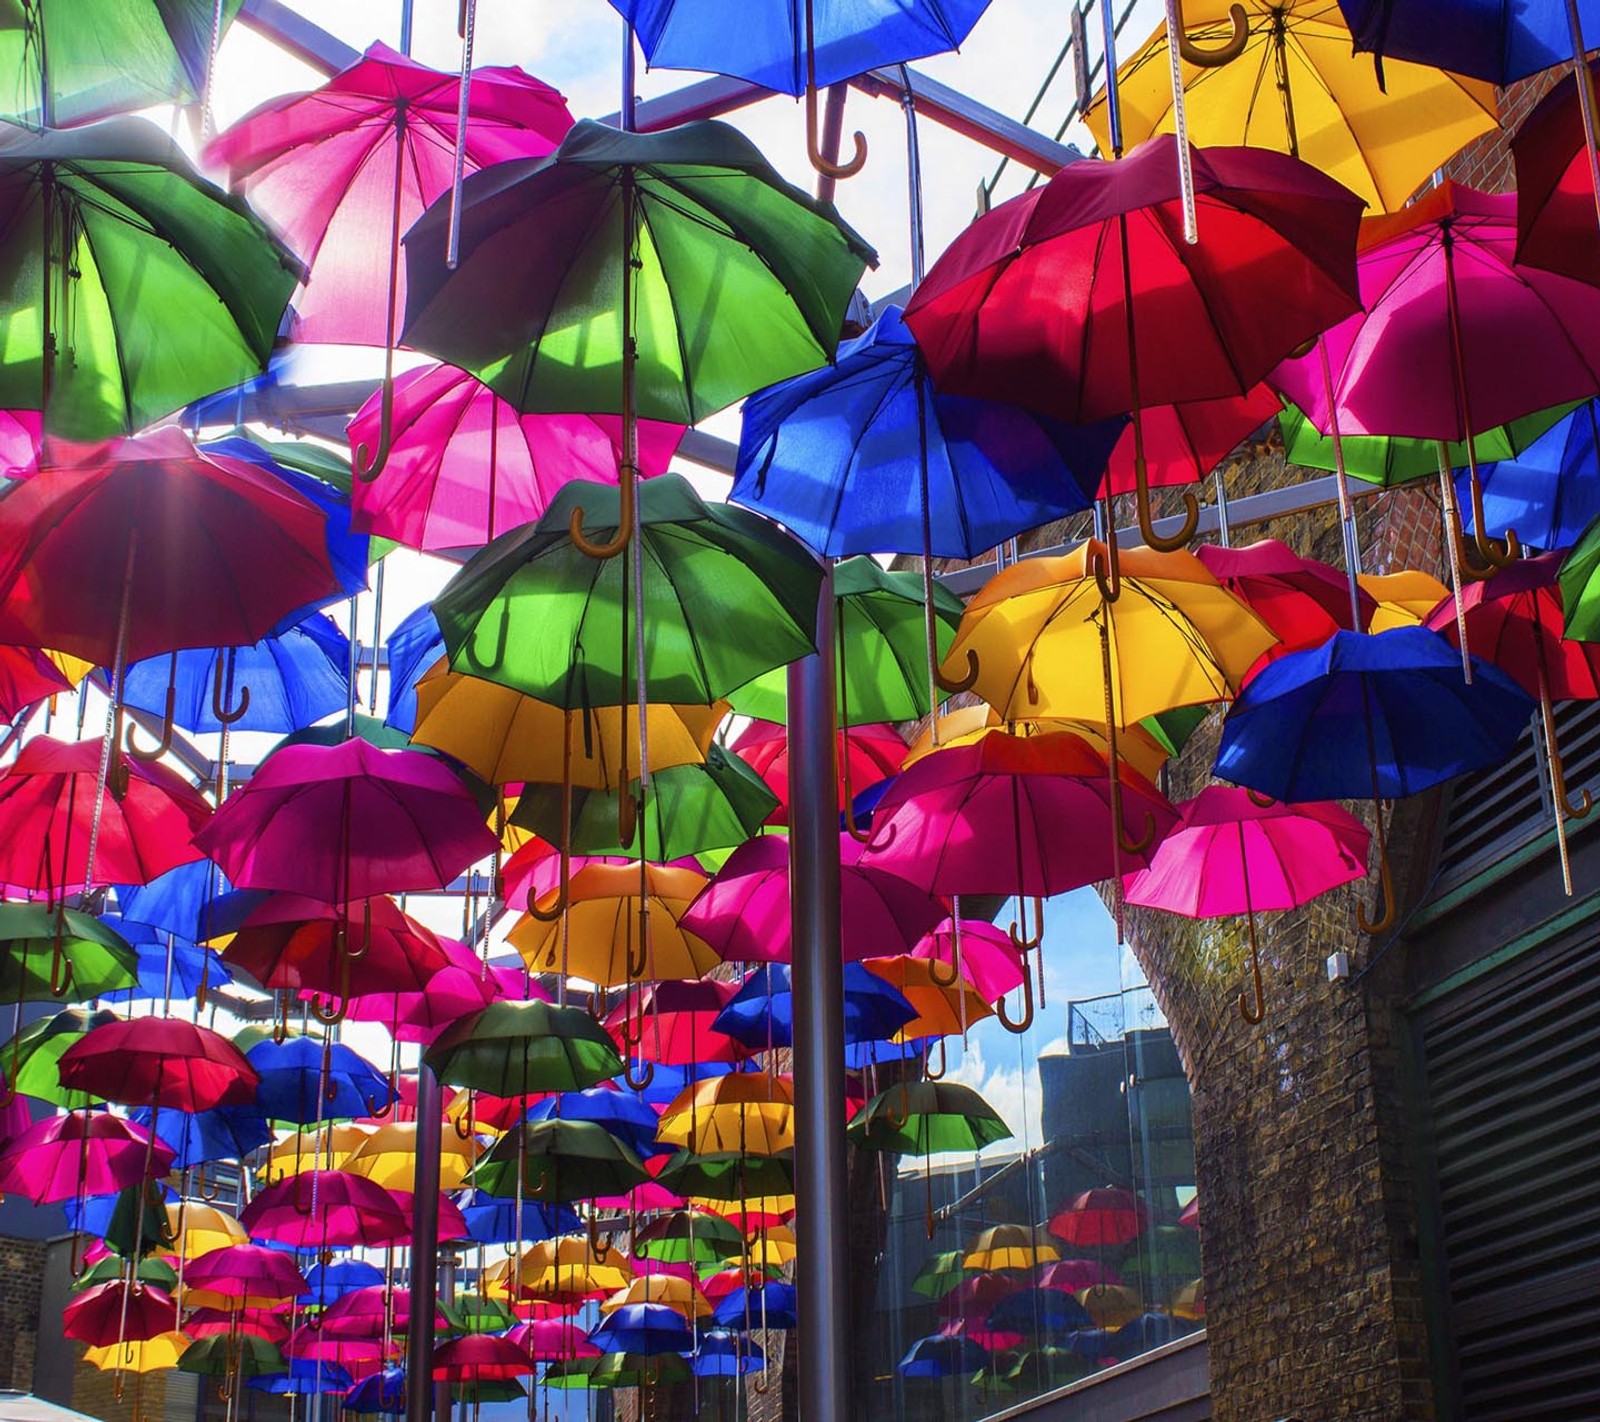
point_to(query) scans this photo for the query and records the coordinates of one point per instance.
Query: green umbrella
(71, 61)
(1387, 461)
(473, 1313)
(559, 1161)
(691, 809)
(928, 1117)
(939, 1274)
(882, 649)
(1580, 586)
(616, 1370)
(512, 1048)
(242, 1355)
(1173, 728)
(488, 1390)
(30, 1061)
(131, 286)
(144, 1220)
(688, 1236)
(1054, 1365)
(731, 1176)
(727, 596)
(48, 953)
(1166, 1255)
(113, 1267)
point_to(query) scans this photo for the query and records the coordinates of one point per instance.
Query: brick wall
(21, 1282)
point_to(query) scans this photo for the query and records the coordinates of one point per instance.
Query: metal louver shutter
(1512, 1064)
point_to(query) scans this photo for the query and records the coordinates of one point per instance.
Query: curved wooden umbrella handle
(1386, 879)
(1021, 939)
(627, 474)
(1021, 1025)
(1145, 840)
(955, 685)
(1191, 517)
(1106, 565)
(1253, 1012)
(369, 462)
(163, 745)
(1488, 548)
(819, 160)
(226, 715)
(1225, 53)
(944, 1062)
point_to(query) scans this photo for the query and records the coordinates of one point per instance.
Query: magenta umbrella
(452, 1223)
(119, 1312)
(240, 1271)
(1229, 853)
(986, 957)
(371, 1312)
(347, 821)
(743, 913)
(309, 1341)
(325, 1209)
(80, 1153)
(548, 1340)
(464, 465)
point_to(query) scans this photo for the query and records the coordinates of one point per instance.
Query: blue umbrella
(780, 1307)
(383, 1392)
(858, 1056)
(1147, 1331)
(628, 1118)
(283, 683)
(837, 457)
(414, 646)
(1370, 714)
(669, 1081)
(194, 901)
(1551, 491)
(1039, 1311)
(647, 1329)
(191, 963)
(721, 1354)
(1091, 1343)
(762, 1011)
(222, 1133)
(491, 1220)
(305, 1376)
(91, 1214)
(1487, 39)
(327, 1282)
(294, 1088)
(941, 1355)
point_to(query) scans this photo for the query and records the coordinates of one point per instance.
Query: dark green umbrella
(882, 649)
(691, 809)
(512, 1048)
(559, 1161)
(726, 1177)
(239, 1355)
(131, 286)
(140, 1214)
(1580, 587)
(658, 274)
(727, 596)
(927, 1117)
(688, 1236)
(30, 1060)
(70, 61)
(616, 1370)
(113, 1267)
(48, 953)
(939, 1274)
(488, 1390)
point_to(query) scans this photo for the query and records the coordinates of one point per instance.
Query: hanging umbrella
(939, 1274)
(771, 1305)
(152, 286)
(1546, 491)
(512, 1048)
(1071, 1275)
(551, 1339)
(1302, 601)
(1158, 323)
(761, 1014)
(1482, 38)
(1297, 86)
(677, 1018)
(1097, 1218)
(148, 1270)
(81, 1153)
(119, 1312)
(305, 1081)
(629, 1119)
(374, 1313)
(388, 1157)
(747, 1112)
(1376, 715)
(1557, 194)
(324, 1209)
(1404, 599)
(645, 1329)
(48, 953)
(1138, 745)
(159, 1062)
(167, 967)
(719, 1353)
(1038, 1311)
(743, 913)
(383, 1392)
(491, 1220)
(246, 1275)
(683, 1236)
(448, 429)
(197, 1138)
(227, 1356)
(721, 1180)
(976, 952)
(193, 902)
(1229, 854)
(940, 1007)
(29, 1062)
(559, 1161)
(1008, 1246)
(148, 1355)
(480, 1358)
(27, 676)
(942, 1355)
(327, 1282)
(865, 756)
(306, 1377)
(282, 683)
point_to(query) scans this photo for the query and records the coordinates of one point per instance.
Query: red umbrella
(743, 913)
(676, 1020)
(150, 537)
(325, 1209)
(866, 755)
(464, 465)
(1107, 1216)
(481, 1357)
(347, 822)
(80, 1153)
(240, 1271)
(1556, 200)
(47, 802)
(1070, 1275)
(1183, 443)
(118, 1312)
(973, 1297)
(1080, 298)
(289, 941)
(159, 1061)
(1303, 601)
(263, 1323)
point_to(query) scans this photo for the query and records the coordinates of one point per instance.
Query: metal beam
(290, 30)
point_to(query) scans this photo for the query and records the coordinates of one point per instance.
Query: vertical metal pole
(447, 1291)
(629, 98)
(424, 1249)
(821, 1209)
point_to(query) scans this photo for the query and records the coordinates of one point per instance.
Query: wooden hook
(1106, 564)
(221, 684)
(163, 745)
(1386, 879)
(944, 1061)
(1253, 1012)
(369, 462)
(1225, 53)
(955, 685)
(1021, 1025)
(1191, 514)
(627, 475)
(1021, 939)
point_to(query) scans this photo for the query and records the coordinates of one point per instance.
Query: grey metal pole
(424, 1249)
(821, 1210)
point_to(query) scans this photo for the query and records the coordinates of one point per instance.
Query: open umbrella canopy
(942, 1355)
(148, 1355)
(631, 1120)
(1484, 38)
(160, 1062)
(81, 1153)
(118, 1312)
(1109, 1215)
(481, 1357)
(745, 1112)
(926, 1117)
(761, 1015)
(645, 1329)
(199, 1137)
(174, 289)
(304, 1081)
(512, 1048)
(865, 756)
(678, 1020)
(716, 233)
(324, 1209)
(559, 1161)
(250, 1274)
(49, 953)
(241, 1355)
(1544, 491)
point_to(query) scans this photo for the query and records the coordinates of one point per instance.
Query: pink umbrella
(309, 1341)
(481, 1357)
(866, 754)
(20, 435)
(239, 1271)
(974, 1297)
(989, 961)
(324, 1209)
(80, 1153)
(47, 801)
(27, 676)
(1231, 854)
(464, 465)
(208, 1322)
(652, 1195)
(743, 913)
(547, 1340)
(452, 1224)
(1070, 1275)
(676, 1018)
(370, 1313)
(346, 822)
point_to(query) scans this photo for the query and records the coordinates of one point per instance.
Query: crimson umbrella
(744, 912)
(1303, 601)
(452, 1223)
(80, 1153)
(481, 1357)
(673, 1023)
(208, 1322)
(27, 676)
(1556, 196)
(1080, 298)
(119, 1312)
(1186, 442)
(325, 1209)
(159, 1061)
(47, 819)
(1106, 1216)
(866, 755)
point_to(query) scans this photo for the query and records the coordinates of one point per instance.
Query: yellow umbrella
(772, 1247)
(603, 932)
(504, 736)
(1189, 1301)
(675, 1292)
(1110, 1305)
(1299, 87)
(388, 1158)
(197, 1229)
(1008, 1246)
(328, 1148)
(569, 1264)
(967, 725)
(1404, 599)
(748, 1112)
(148, 1356)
